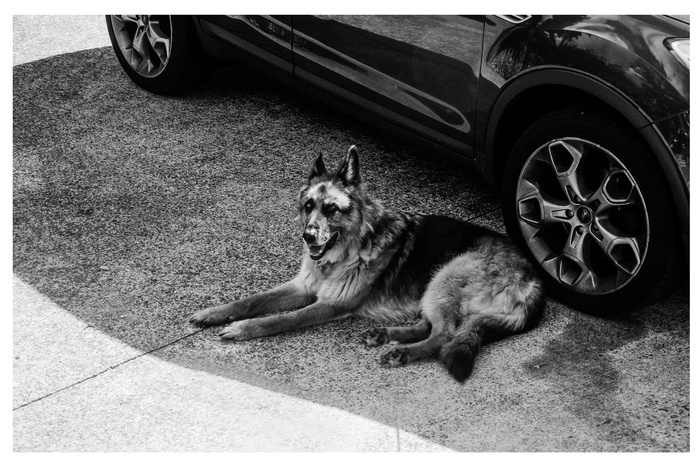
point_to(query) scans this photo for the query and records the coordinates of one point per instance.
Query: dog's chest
(344, 287)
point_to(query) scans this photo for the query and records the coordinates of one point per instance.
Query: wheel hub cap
(584, 215)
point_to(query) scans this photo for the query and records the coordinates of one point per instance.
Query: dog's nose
(309, 237)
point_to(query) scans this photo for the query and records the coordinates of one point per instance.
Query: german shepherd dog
(469, 285)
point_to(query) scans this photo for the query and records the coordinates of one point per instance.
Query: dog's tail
(459, 353)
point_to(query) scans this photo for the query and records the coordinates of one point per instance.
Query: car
(581, 122)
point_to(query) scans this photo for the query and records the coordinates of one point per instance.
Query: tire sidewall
(645, 171)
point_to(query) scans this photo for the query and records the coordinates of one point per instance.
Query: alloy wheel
(582, 215)
(145, 41)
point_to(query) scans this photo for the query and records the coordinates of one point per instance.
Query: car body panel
(391, 62)
(676, 132)
(672, 136)
(615, 49)
(267, 38)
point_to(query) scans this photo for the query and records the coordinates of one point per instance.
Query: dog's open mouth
(316, 252)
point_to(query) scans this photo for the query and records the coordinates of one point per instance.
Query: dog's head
(328, 206)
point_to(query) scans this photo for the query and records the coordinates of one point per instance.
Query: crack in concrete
(106, 370)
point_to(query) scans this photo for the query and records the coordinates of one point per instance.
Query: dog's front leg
(287, 296)
(317, 313)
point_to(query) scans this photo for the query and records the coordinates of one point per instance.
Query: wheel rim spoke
(139, 45)
(574, 265)
(623, 251)
(158, 40)
(128, 18)
(538, 208)
(617, 189)
(574, 245)
(565, 157)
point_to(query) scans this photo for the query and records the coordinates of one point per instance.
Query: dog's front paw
(238, 331)
(374, 337)
(201, 319)
(211, 316)
(397, 356)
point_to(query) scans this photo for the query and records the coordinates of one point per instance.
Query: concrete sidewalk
(77, 389)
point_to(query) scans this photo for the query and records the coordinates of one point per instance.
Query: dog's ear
(319, 167)
(349, 170)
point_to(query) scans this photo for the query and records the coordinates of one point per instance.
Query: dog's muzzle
(316, 252)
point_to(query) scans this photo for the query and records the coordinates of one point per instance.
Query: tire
(160, 53)
(585, 198)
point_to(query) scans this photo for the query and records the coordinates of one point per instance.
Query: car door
(267, 38)
(418, 71)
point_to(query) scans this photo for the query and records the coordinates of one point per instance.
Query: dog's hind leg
(383, 335)
(403, 354)
(439, 310)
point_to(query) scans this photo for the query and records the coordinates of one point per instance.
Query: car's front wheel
(160, 53)
(587, 201)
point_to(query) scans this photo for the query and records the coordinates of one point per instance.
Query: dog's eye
(309, 205)
(332, 208)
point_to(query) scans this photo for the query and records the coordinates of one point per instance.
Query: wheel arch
(540, 91)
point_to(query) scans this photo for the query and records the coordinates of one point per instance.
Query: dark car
(581, 122)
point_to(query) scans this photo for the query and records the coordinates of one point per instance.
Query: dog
(468, 285)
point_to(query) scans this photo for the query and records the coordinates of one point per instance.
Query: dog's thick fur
(469, 285)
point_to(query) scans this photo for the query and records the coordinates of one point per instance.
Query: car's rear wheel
(586, 199)
(160, 53)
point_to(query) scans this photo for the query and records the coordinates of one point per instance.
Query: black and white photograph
(367, 233)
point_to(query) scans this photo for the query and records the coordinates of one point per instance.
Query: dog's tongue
(316, 252)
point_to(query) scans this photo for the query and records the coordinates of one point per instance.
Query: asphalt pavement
(131, 211)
